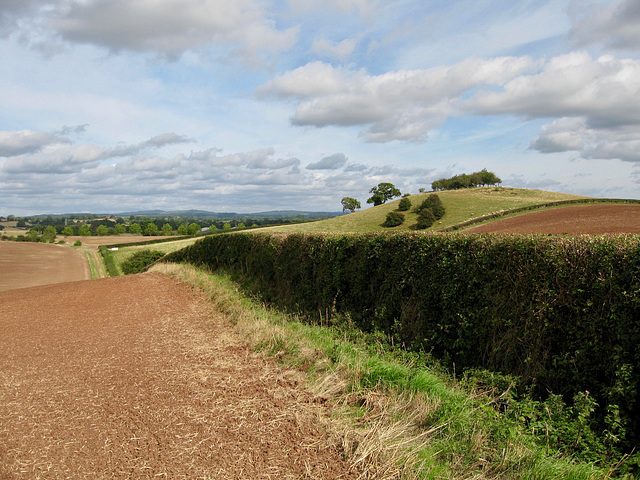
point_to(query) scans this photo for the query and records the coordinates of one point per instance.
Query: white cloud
(401, 105)
(310, 80)
(332, 162)
(605, 90)
(574, 135)
(596, 104)
(195, 180)
(156, 142)
(165, 27)
(14, 143)
(54, 159)
(616, 25)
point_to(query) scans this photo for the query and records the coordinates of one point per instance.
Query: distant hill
(230, 215)
(206, 214)
(461, 206)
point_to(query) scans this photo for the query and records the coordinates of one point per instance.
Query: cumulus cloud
(575, 135)
(402, 105)
(21, 142)
(595, 103)
(94, 176)
(605, 90)
(332, 162)
(54, 159)
(616, 26)
(171, 27)
(165, 27)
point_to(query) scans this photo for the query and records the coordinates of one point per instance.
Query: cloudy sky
(254, 105)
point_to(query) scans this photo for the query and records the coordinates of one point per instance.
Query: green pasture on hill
(124, 253)
(461, 205)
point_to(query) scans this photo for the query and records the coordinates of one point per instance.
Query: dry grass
(384, 442)
(426, 426)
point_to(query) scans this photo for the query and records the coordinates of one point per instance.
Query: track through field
(137, 377)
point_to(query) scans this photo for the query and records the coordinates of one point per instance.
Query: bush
(77, 243)
(393, 219)
(404, 205)
(139, 261)
(426, 218)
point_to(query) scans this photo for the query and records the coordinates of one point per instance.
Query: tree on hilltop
(350, 204)
(383, 192)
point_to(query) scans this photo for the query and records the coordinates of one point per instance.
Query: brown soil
(583, 219)
(110, 239)
(27, 264)
(137, 377)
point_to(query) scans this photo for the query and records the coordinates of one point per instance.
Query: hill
(461, 205)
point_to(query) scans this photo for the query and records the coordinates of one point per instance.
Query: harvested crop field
(27, 264)
(112, 239)
(138, 377)
(583, 219)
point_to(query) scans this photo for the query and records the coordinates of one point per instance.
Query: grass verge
(94, 273)
(394, 417)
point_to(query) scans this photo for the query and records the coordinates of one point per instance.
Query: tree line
(482, 178)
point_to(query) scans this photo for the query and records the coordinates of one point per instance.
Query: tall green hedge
(560, 312)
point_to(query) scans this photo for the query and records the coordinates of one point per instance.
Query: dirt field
(109, 239)
(583, 219)
(27, 264)
(136, 377)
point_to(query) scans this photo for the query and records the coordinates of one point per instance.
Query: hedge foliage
(140, 260)
(560, 312)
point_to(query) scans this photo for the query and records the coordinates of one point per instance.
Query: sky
(255, 105)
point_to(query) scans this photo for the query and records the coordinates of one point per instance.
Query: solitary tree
(49, 234)
(382, 193)
(350, 204)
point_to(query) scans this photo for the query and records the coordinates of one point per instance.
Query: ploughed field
(138, 377)
(26, 264)
(582, 219)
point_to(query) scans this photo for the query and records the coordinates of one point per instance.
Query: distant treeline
(90, 225)
(482, 178)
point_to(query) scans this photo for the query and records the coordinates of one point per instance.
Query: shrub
(433, 203)
(77, 243)
(393, 219)
(139, 261)
(426, 218)
(404, 205)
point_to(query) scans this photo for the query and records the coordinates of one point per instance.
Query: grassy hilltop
(461, 205)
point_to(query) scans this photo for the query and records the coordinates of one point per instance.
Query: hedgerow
(560, 313)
